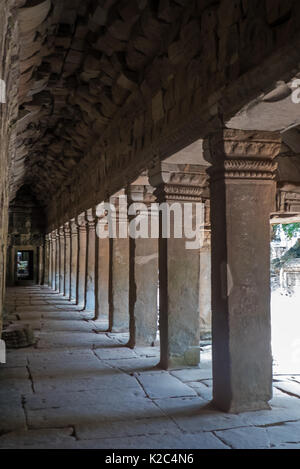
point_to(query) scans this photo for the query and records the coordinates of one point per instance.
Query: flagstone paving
(81, 387)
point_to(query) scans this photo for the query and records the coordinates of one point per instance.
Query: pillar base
(135, 344)
(191, 357)
(239, 407)
(118, 329)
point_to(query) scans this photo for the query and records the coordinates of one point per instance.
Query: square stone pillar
(91, 260)
(82, 259)
(179, 265)
(53, 259)
(46, 260)
(61, 239)
(102, 267)
(67, 271)
(143, 270)
(242, 196)
(74, 260)
(205, 277)
(57, 261)
(119, 267)
(41, 265)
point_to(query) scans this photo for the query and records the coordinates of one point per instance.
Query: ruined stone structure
(155, 102)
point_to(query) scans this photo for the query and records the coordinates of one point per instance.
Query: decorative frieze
(238, 154)
(178, 182)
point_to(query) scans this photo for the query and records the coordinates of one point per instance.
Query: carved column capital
(239, 154)
(73, 227)
(90, 215)
(119, 200)
(141, 193)
(178, 182)
(61, 233)
(67, 230)
(81, 222)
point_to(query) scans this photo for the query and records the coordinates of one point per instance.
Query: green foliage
(290, 229)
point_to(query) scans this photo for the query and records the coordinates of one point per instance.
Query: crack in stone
(222, 440)
(276, 424)
(23, 402)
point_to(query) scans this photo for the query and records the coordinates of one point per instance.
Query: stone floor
(80, 387)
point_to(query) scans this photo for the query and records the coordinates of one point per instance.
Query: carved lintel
(141, 194)
(287, 201)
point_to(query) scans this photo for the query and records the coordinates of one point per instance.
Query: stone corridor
(81, 387)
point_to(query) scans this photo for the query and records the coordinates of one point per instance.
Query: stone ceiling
(79, 63)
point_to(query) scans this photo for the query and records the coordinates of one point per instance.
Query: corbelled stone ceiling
(80, 61)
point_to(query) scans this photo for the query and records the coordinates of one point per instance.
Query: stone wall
(9, 73)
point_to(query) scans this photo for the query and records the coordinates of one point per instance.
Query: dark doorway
(25, 265)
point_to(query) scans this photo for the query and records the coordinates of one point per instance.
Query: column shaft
(143, 271)
(82, 256)
(119, 272)
(102, 270)
(74, 260)
(179, 263)
(46, 260)
(61, 260)
(67, 271)
(242, 197)
(91, 261)
(57, 261)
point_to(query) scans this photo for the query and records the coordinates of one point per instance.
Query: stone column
(102, 267)
(242, 197)
(53, 259)
(179, 263)
(74, 260)
(57, 260)
(67, 282)
(82, 255)
(119, 268)
(47, 260)
(91, 260)
(205, 277)
(143, 270)
(61, 240)
(50, 260)
(41, 265)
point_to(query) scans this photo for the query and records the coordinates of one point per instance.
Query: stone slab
(245, 438)
(161, 384)
(195, 415)
(192, 374)
(51, 437)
